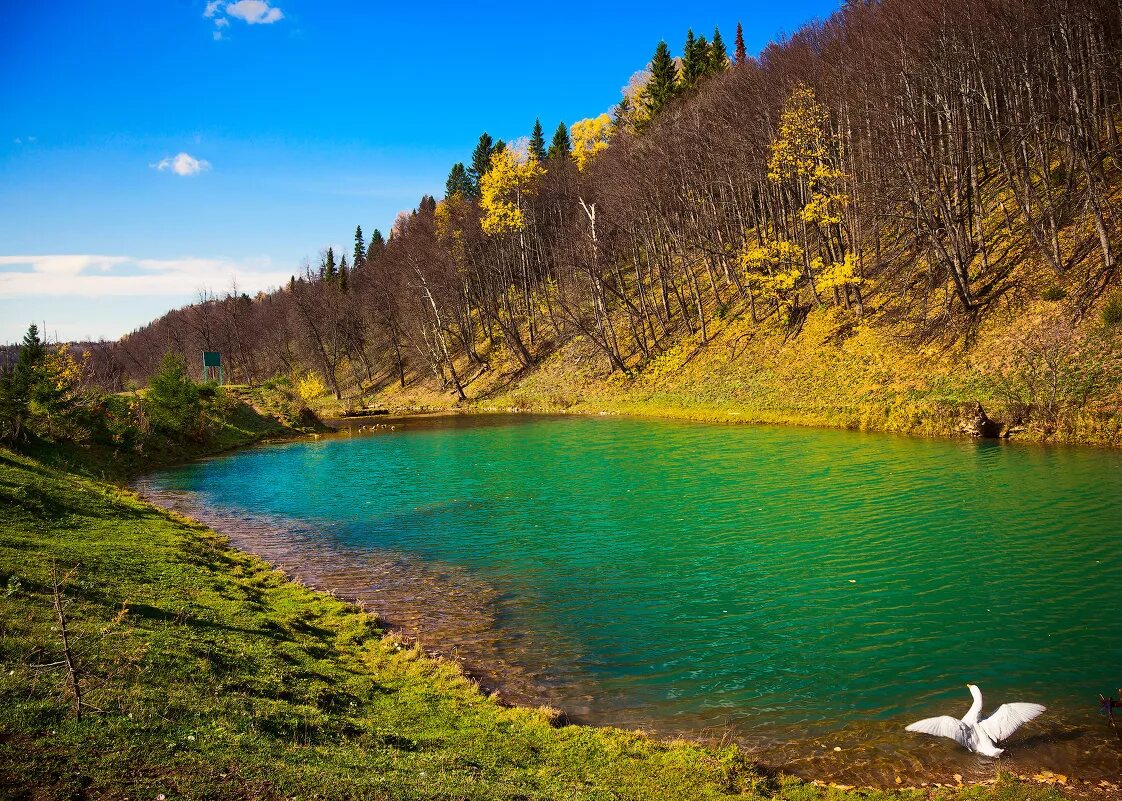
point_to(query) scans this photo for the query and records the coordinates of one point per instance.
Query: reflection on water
(799, 591)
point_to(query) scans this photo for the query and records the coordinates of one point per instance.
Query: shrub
(1112, 310)
(1053, 293)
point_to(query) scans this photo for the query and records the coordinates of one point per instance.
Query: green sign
(212, 358)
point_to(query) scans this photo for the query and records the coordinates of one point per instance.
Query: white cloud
(255, 12)
(104, 276)
(181, 164)
(251, 12)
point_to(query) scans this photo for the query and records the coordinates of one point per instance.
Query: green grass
(208, 675)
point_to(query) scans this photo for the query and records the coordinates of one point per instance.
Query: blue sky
(297, 120)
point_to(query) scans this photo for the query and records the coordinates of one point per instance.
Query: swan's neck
(975, 708)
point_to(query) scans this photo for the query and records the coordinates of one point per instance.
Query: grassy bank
(205, 674)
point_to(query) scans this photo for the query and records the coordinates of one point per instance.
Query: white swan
(980, 736)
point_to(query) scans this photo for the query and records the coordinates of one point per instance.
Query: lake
(804, 592)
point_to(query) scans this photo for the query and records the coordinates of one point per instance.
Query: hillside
(881, 221)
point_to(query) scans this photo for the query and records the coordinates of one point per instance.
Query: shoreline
(489, 684)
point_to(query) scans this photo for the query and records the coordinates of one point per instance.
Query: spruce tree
(459, 182)
(481, 161)
(537, 142)
(664, 80)
(344, 274)
(695, 60)
(561, 146)
(741, 51)
(718, 54)
(377, 245)
(427, 205)
(328, 269)
(360, 248)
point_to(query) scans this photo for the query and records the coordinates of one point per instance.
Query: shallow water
(797, 590)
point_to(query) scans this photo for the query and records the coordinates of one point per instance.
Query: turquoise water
(800, 590)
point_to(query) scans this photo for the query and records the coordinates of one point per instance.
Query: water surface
(799, 590)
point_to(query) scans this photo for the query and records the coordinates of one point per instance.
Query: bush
(174, 402)
(1112, 310)
(1053, 293)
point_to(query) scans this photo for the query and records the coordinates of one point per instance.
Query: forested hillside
(895, 212)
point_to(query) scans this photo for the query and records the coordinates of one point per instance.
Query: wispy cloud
(87, 275)
(181, 164)
(251, 12)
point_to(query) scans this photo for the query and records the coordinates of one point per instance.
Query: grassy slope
(833, 373)
(207, 674)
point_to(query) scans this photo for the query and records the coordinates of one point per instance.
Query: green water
(796, 588)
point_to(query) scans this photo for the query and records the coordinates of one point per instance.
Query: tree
(360, 248)
(663, 84)
(560, 147)
(459, 182)
(504, 189)
(17, 385)
(537, 142)
(344, 273)
(741, 51)
(695, 60)
(377, 244)
(589, 138)
(327, 269)
(173, 400)
(481, 160)
(718, 55)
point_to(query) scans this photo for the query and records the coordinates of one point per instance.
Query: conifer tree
(663, 84)
(328, 268)
(718, 54)
(695, 60)
(561, 146)
(360, 248)
(344, 274)
(427, 205)
(377, 245)
(459, 182)
(537, 141)
(481, 160)
(741, 51)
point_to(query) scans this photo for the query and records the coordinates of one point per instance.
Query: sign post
(212, 366)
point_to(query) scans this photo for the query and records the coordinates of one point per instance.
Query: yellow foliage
(590, 137)
(774, 266)
(309, 387)
(801, 150)
(838, 274)
(501, 190)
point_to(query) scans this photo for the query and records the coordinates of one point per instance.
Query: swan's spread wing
(1008, 718)
(942, 726)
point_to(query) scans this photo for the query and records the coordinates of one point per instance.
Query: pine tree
(360, 248)
(344, 274)
(537, 141)
(377, 245)
(459, 182)
(481, 161)
(718, 54)
(741, 51)
(664, 80)
(561, 146)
